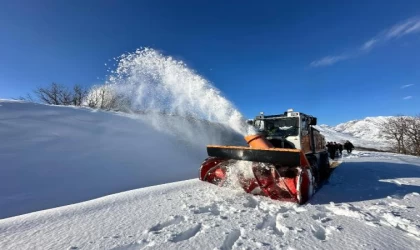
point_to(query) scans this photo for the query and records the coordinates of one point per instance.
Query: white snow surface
(371, 201)
(53, 156)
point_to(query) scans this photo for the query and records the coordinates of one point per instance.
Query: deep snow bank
(52, 156)
(371, 202)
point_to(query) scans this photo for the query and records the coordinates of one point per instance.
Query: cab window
(304, 126)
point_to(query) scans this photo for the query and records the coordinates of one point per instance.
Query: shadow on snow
(361, 181)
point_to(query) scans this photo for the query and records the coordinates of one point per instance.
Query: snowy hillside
(363, 133)
(368, 128)
(53, 156)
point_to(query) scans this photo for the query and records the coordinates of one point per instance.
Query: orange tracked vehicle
(287, 157)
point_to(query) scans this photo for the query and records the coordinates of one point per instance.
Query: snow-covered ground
(371, 202)
(56, 156)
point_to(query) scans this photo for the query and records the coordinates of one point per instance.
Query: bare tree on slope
(56, 94)
(404, 131)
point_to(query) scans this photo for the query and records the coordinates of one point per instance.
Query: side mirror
(250, 122)
(313, 121)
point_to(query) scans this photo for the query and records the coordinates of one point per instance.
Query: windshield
(282, 127)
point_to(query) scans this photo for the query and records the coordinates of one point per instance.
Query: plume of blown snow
(159, 84)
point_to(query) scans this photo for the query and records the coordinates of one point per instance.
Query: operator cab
(285, 130)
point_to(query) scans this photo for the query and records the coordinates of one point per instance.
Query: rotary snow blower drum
(281, 174)
(288, 158)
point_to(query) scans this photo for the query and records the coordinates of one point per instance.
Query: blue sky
(333, 60)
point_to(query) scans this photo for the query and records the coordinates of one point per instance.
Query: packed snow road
(371, 202)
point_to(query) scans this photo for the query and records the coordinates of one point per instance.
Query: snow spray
(161, 85)
(236, 171)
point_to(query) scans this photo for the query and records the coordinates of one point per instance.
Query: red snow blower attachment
(288, 164)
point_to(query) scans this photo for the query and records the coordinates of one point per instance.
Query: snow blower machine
(287, 158)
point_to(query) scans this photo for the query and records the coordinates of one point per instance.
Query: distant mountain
(365, 133)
